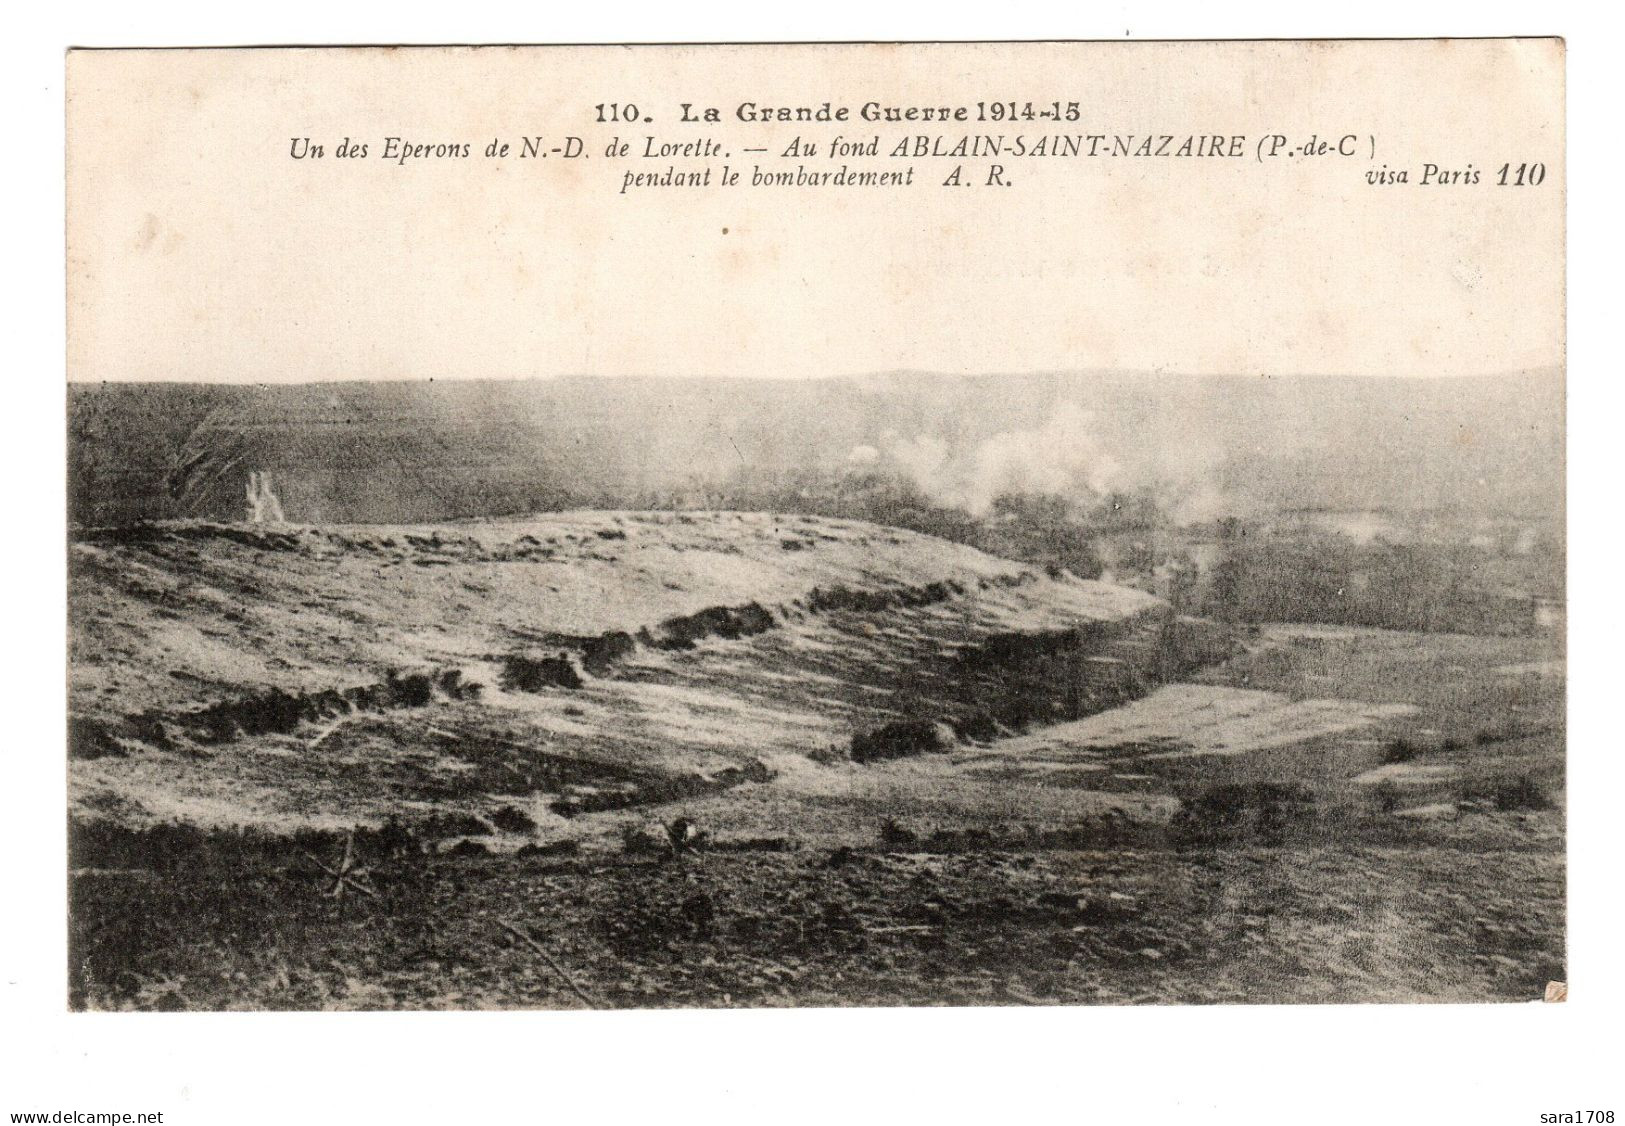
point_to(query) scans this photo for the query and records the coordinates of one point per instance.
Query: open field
(1399, 920)
(910, 773)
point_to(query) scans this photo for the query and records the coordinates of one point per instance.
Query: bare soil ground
(1396, 917)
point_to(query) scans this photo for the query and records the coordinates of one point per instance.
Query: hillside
(1198, 447)
(913, 773)
(297, 676)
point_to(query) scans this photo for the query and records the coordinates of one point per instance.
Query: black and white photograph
(505, 635)
(825, 563)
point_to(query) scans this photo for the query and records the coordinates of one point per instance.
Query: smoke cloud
(1073, 454)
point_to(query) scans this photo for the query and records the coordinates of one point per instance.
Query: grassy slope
(1030, 876)
(185, 615)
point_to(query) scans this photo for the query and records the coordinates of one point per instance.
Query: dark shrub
(603, 651)
(1519, 794)
(893, 835)
(512, 820)
(980, 726)
(531, 674)
(1401, 750)
(442, 825)
(91, 739)
(553, 848)
(1233, 811)
(754, 844)
(901, 739)
(412, 690)
(728, 622)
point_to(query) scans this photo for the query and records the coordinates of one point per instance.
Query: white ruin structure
(263, 505)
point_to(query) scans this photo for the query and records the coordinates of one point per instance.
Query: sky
(199, 249)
